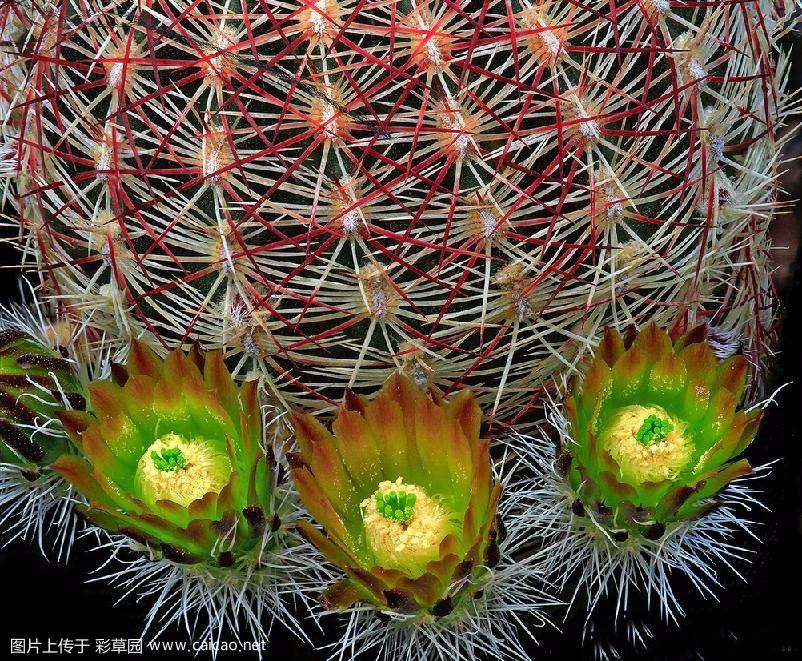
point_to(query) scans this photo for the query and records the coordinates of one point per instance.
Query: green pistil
(653, 429)
(168, 460)
(398, 506)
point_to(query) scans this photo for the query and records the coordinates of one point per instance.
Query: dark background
(759, 618)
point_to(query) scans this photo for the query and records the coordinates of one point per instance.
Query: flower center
(653, 429)
(180, 470)
(168, 460)
(398, 506)
(647, 444)
(404, 526)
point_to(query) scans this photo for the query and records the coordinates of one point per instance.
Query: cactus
(319, 197)
(15, 23)
(331, 191)
(656, 429)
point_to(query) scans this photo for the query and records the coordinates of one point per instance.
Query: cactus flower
(645, 485)
(657, 428)
(171, 456)
(403, 489)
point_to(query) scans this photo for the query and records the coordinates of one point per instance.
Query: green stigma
(398, 506)
(653, 429)
(169, 460)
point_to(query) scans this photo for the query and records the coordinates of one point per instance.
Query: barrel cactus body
(334, 190)
(16, 23)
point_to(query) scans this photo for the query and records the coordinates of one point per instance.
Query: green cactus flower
(172, 457)
(656, 426)
(403, 489)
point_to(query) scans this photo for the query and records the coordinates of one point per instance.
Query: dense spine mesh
(467, 191)
(16, 22)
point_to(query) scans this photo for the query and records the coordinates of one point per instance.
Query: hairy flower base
(446, 583)
(38, 507)
(175, 461)
(210, 601)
